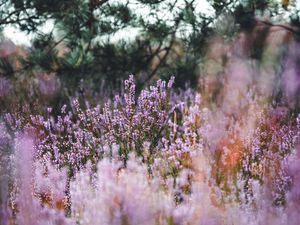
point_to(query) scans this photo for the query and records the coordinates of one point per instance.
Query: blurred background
(54, 50)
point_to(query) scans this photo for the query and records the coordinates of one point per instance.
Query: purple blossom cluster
(266, 156)
(160, 157)
(78, 136)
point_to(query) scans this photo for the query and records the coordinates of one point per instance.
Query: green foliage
(105, 39)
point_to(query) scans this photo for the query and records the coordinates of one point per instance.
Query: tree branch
(286, 27)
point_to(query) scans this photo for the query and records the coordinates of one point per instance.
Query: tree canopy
(97, 39)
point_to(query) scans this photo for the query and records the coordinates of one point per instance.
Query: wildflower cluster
(81, 135)
(157, 158)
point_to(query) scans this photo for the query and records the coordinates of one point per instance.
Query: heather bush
(6, 170)
(78, 136)
(160, 157)
(80, 146)
(28, 207)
